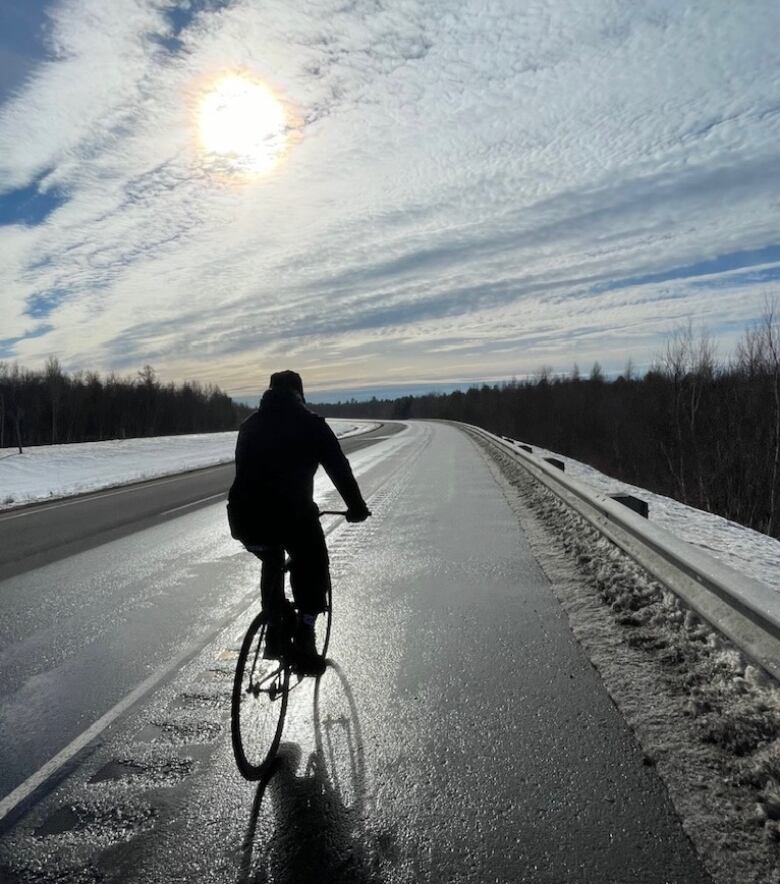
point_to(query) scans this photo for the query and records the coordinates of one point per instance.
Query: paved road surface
(34, 535)
(79, 633)
(459, 735)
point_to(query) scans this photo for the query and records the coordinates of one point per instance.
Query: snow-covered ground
(750, 552)
(48, 471)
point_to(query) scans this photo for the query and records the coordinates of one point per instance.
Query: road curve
(459, 734)
(39, 533)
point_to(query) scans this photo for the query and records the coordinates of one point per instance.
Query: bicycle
(261, 689)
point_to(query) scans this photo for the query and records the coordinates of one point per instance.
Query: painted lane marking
(133, 486)
(185, 506)
(23, 791)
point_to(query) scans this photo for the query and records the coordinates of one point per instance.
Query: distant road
(460, 732)
(40, 533)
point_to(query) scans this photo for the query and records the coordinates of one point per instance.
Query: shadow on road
(318, 808)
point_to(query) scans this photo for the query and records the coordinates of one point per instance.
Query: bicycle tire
(324, 624)
(258, 704)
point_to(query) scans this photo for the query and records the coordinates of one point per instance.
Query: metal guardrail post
(633, 503)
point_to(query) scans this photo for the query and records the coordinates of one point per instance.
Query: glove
(358, 514)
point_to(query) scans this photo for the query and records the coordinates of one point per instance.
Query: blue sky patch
(7, 345)
(41, 305)
(22, 34)
(180, 17)
(710, 267)
(29, 205)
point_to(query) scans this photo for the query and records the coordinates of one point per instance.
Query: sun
(242, 125)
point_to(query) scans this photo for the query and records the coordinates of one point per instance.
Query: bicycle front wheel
(259, 704)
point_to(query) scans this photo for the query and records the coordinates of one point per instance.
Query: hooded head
(289, 381)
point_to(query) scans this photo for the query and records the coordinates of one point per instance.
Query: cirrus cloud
(472, 190)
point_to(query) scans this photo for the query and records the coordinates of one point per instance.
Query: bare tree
(545, 374)
(15, 386)
(770, 328)
(54, 384)
(3, 375)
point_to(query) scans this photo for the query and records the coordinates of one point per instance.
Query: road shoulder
(707, 720)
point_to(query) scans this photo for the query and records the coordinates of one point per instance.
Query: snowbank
(749, 551)
(48, 471)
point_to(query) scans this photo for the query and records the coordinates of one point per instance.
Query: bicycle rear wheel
(323, 625)
(259, 704)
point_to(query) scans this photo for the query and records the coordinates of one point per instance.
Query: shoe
(305, 657)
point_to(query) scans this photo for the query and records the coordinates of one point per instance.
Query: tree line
(51, 406)
(703, 431)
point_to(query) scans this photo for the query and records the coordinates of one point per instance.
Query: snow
(750, 552)
(51, 471)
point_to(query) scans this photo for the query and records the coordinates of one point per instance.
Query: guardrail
(743, 609)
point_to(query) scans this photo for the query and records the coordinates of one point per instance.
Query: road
(40, 533)
(120, 608)
(460, 733)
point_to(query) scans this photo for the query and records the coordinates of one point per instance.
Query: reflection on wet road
(78, 634)
(321, 793)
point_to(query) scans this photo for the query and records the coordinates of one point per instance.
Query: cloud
(470, 191)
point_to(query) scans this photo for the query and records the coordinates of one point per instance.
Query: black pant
(302, 539)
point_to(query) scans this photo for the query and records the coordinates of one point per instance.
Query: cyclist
(271, 510)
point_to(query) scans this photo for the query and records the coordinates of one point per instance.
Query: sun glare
(242, 125)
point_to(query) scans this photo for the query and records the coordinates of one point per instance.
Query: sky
(383, 194)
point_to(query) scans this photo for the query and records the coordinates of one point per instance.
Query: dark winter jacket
(278, 451)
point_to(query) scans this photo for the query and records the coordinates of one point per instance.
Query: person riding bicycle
(271, 510)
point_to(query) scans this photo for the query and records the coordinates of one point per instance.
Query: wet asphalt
(34, 535)
(79, 633)
(459, 733)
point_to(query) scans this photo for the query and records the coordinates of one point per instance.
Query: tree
(3, 375)
(770, 334)
(54, 385)
(15, 408)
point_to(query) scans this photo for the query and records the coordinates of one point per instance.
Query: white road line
(23, 791)
(133, 486)
(83, 498)
(185, 506)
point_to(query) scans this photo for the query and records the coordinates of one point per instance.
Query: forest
(695, 428)
(51, 406)
(702, 430)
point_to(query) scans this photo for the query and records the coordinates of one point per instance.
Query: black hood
(280, 400)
